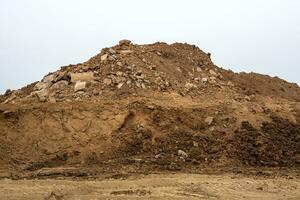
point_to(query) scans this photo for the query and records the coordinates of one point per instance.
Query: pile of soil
(148, 108)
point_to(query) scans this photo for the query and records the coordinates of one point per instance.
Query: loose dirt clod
(147, 108)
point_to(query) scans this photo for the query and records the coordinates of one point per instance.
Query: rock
(79, 86)
(247, 98)
(107, 81)
(230, 84)
(212, 72)
(85, 76)
(49, 78)
(198, 69)
(60, 84)
(158, 53)
(120, 85)
(182, 154)
(104, 57)
(42, 95)
(204, 80)
(195, 144)
(124, 42)
(209, 120)
(112, 51)
(11, 98)
(42, 85)
(126, 51)
(190, 86)
(119, 64)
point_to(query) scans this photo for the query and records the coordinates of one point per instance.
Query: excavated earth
(144, 109)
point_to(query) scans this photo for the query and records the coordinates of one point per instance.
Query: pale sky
(39, 36)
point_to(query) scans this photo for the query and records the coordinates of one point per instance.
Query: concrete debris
(79, 86)
(85, 76)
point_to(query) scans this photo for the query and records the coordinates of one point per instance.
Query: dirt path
(173, 186)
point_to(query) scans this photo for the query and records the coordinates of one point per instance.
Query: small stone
(107, 81)
(195, 144)
(104, 57)
(183, 154)
(112, 51)
(119, 73)
(158, 53)
(120, 85)
(247, 98)
(212, 72)
(209, 120)
(143, 86)
(119, 64)
(204, 80)
(190, 86)
(124, 42)
(79, 86)
(126, 51)
(198, 69)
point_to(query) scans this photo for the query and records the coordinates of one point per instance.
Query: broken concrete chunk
(79, 86)
(85, 76)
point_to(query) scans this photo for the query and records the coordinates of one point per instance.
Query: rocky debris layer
(129, 69)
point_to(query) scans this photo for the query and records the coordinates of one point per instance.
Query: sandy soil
(167, 186)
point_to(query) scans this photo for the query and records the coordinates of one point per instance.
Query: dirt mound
(145, 108)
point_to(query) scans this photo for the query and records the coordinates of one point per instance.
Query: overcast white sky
(38, 36)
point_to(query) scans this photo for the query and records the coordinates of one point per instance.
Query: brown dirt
(149, 109)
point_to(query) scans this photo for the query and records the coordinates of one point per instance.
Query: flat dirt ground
(158, 186)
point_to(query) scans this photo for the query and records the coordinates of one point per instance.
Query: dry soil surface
(166, 186)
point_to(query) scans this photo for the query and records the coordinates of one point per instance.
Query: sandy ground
(167, 186)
